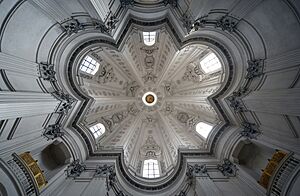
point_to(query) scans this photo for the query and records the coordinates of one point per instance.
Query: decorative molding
(132, 109)
(100, 26)
(96, 56)
(118, 117)
(150, 149)
(111, 120)
(187, 119)
(198, 70)
(108, 171)
(85, 75)
(64, 107)
(72, 26)
(235, 100)
(47, 71)
(111, 23)
(200, 23)
(174, 176)
(187, 23)
(104, 171)
(227, 168)
(75, 169)
(192, 172)
(149, 49)
(60, 95)
(190, 75)
(168, 108)
(149, 77)
(169, 88)
(173, 3)
(227, 23)
(255, 68)
(71, 65)
(196, 171)
(249, 131)
(105, 74)
(125, 3)
(149, 62)
(131, 88)
(66, 102)
(53, 131)
(194, 73)
(182, 117)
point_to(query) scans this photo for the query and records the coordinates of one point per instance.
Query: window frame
(206, 70)
(151, 36)
(96, 130)
(156, 173)
(89, 65)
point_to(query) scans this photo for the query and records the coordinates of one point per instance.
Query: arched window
(203, 129)
(149, 38)
(150, 169)
(210, 63)
(97, 130)
(89, 65)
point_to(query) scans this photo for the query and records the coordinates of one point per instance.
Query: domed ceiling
(150, 97)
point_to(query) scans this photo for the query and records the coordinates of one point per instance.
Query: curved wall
(34, 35)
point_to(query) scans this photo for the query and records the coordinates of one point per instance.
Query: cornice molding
(73, 63)
(186, 42)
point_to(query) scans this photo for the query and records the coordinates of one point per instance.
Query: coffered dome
(149, 97)
(156, 91)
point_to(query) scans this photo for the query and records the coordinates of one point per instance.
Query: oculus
(149, 99)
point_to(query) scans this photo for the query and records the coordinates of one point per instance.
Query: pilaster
(21, 104)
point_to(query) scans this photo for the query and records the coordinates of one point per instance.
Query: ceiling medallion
(149, 99)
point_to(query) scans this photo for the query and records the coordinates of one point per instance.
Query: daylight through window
(203, 129)
(149, 38)
(210, 63)
(89, 65)
(97, 130)
(150, 169)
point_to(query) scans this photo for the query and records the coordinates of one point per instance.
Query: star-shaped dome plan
(150, 97)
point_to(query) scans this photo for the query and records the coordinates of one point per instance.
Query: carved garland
(228, 168)
(53, 131)
(75, 169)
(48, 73)
(107, 171)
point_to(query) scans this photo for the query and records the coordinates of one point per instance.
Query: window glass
(97, 130)
(210, 63)
(150, 169)
(203, 129)
(89, 65)
(149, 38)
